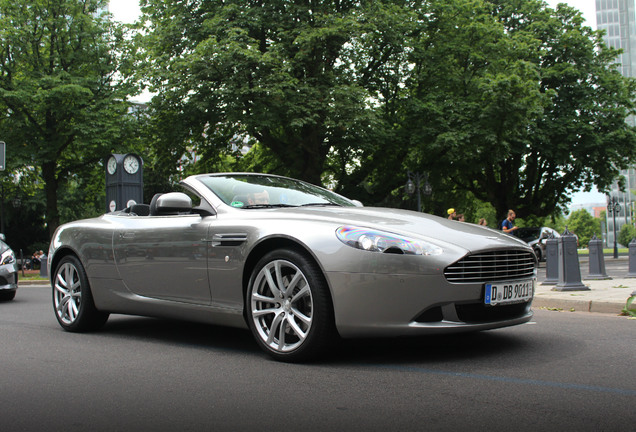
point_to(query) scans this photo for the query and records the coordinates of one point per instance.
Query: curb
(578, 305)
(33, 282)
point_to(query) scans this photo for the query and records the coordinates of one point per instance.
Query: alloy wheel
(67, 293)
(282, 307)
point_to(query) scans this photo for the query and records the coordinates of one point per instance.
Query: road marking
(541, 383)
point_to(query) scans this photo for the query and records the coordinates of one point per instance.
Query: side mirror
(174, 202)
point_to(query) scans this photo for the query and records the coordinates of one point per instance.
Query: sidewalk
(604, 296)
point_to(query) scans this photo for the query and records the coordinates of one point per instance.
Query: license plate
(509, 292)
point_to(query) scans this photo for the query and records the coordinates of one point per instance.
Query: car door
(164, 257)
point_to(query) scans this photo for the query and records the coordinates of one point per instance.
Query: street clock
(111, 165)
(124, 181)
(131, 164)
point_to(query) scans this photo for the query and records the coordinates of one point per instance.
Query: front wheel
(289, 309)
(72, 298)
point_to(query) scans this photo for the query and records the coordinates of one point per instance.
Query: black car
(536, 238)
(8, 271)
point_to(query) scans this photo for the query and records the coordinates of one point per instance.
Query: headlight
(8, 257)
(377, 241)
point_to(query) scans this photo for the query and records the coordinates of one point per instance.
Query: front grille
(500, 265)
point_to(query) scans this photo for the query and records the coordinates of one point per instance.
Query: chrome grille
(500, 265)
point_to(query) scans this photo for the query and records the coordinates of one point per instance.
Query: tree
(61, 110)
(584, 225)
(516, 103)
(286, 74)
(506, 102)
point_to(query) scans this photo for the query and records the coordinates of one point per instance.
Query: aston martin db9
(298, 265)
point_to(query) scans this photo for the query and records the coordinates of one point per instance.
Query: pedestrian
(451, 213)
(460, 217)
(35, 260)
(508, 224)
(483, 222)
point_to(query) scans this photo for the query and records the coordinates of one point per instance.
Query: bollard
(551, 261)
(597, 260)
(43, 270)
(632, 259)
(569, 269)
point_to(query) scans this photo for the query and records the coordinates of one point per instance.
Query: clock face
(131, 164)
(111, 165)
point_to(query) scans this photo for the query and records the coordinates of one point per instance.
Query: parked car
(8, 271)
(536, 238)
(297, 264)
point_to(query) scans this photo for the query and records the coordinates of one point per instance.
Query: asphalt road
(564, 371)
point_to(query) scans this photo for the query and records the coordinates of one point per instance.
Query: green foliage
(62, 111)
(516, 103)
(584, 225)
(630, 307)
(23, 211)
(278, 72)
(504, 104)
(626, 234)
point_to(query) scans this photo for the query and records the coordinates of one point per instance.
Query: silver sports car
(297, 264)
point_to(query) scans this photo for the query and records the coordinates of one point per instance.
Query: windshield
(262, 191)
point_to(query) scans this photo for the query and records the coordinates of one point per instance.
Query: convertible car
(299, 265)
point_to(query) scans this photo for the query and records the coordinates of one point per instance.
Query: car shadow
(183, 333)
(430, 349)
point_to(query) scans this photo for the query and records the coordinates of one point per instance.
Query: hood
(464, 235)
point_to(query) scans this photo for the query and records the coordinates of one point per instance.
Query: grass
(606, 251)
(31, 275)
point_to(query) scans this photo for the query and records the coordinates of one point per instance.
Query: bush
(626, 234)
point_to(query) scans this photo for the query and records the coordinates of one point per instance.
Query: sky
(588, 7)
(128, 10)
(125, 11)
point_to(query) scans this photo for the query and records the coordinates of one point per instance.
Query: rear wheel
(289, 309)
(72, 298)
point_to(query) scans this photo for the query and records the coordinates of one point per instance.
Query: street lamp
(418, 183)
(613, 208)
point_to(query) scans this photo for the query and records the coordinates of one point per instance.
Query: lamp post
(418, 183)
(613, 208)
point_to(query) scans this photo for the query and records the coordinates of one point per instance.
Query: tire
(7, 295)
(72, 298)
(289, 308)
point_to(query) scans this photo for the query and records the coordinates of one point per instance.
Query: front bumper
(8, 277)
(405, 305)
